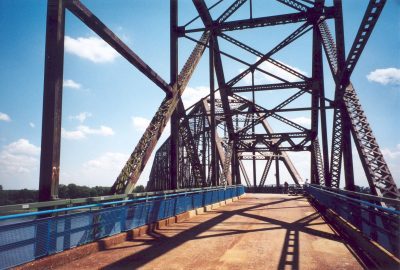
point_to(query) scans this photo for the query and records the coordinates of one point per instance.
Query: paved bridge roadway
(261, 231)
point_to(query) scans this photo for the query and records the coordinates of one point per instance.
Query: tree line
(70, 191)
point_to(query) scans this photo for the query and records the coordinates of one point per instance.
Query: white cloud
(140, 123)
(103, 130)
(106, 161)
(72, 135)
(23, 147)
(103, 169)
(91, 48)
(385, 76)
(392, 158)
(303, 121)
(82, 131)
(391, 153)
(98, 171)
(5, 117)
(32, 125)
(18, 159)
(81, 117)
(262, 78)
(71, 84)
(191, 95)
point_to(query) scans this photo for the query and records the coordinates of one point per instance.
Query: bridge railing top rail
(81, 203)
(362, 199)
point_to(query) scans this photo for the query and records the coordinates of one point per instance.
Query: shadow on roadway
(289, 254)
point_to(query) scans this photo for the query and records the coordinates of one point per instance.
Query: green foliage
(73, 191)
(70, 191)
(365, 190)
(139, 189)
(18, 196)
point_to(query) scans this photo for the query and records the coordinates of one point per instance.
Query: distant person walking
(286, 185)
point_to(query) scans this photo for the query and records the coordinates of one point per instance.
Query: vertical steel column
(253, 130)
(341, 57)
(174, 142)
(214, 159)
(324, 135)
(278, 179)
(316, 85)
(52, 101)
(233, 163)
(204, 149)
(251, 9)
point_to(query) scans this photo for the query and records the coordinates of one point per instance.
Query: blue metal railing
(37, 234)
(375, 221)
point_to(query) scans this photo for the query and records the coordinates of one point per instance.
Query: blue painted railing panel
(378, 223)
(29, 238)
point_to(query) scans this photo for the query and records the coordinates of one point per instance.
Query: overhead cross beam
(256, 22)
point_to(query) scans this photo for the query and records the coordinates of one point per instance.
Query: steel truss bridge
(211, 141)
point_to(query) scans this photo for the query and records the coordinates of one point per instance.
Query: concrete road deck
(261, 231)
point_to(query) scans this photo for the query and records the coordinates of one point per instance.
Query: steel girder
(258, 22)
(52, 102)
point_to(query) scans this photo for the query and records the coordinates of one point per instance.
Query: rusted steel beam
(294, 4)
(292, 37)
(243, 169)
(174, 142)
(185, 133)
(211, 119)
(265, 172)
(367, 25)
(273, 86)
(218, 143)
(257, 22)
(52, 101)
(230, 10)
(94, 23)
(224, 90)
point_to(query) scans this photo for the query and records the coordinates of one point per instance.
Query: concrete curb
(79, 252)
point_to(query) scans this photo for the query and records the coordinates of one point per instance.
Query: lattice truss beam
(237, 129)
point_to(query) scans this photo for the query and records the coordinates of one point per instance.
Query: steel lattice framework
(211, 140)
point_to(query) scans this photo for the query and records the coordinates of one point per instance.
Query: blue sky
(107, 103)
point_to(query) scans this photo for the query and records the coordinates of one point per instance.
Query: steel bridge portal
(226, 188)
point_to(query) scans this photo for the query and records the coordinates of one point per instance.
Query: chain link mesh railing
(26, 237)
